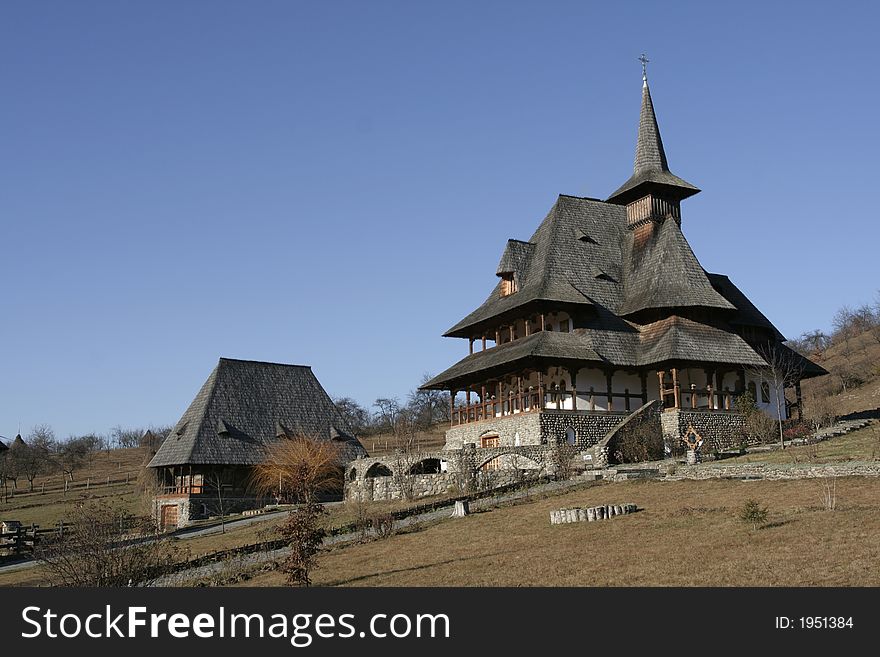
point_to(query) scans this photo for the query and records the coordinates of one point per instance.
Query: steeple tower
(653, 192)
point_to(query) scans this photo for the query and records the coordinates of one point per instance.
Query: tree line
(41, 453)
(421, 410)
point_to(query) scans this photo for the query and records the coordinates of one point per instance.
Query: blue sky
(332, 183)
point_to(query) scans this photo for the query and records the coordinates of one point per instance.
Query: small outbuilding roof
(238, 412)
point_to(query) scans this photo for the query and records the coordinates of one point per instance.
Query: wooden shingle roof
(239, 410)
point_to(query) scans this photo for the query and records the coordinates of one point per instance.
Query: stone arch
(378, 470)
(429, 465)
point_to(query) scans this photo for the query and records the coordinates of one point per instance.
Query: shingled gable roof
(661, 271)
(559, 264)
(239, 409)
(650, 168)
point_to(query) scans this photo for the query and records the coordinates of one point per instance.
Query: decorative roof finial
(644, 60)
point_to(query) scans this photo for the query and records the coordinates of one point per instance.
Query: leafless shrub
(383, 525)
(828, 495)
(562, 457)
(107, 546)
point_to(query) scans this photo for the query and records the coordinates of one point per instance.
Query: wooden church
(602, 310)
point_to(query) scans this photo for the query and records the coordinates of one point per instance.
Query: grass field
(338, 516)
(54, 504)
(861, 445)
(688, 534)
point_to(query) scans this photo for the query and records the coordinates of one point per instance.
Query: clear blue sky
(332, 183)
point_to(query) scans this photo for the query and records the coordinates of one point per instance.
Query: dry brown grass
(687, 535)
(430, 440)
(54, 505)
(861, 445)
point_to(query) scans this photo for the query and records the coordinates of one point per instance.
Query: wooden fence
(23, 539)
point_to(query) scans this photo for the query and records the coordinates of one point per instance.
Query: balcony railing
(536, 400)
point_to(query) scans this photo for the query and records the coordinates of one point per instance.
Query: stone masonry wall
(719, 429)
(393, 488)
(526, 425)
(589, 428)
(539, 428)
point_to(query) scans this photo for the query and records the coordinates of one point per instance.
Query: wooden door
(169, 517)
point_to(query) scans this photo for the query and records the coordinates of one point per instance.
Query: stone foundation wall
(537, 428)
(195, 508)
(719, 429)
(396, 488)
(782, 471)
(526, 425)
(589, 428)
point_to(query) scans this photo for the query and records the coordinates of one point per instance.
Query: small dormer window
(508, 284)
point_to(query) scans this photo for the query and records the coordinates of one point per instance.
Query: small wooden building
(603, 309)
(243, 407)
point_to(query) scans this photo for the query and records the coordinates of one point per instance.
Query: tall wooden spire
(653, 191)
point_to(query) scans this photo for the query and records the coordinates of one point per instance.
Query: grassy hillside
(853, 382)
(90, 482)
(688, 534)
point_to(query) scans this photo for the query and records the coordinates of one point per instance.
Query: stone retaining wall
(764, 471)
(719, 429)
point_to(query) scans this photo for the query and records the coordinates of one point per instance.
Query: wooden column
(540, 389)
(519, 392)
(452, 407)
(742, 380)
(512, 333)
(608, 374)
(543, 325)
(573, 372)
(484, 342)
(528, 326)
(710, 374)
(592, 399)
(497, 336)
(471, 346)
(499, 399)
(483, 399)
(643, 377)
(676, 391)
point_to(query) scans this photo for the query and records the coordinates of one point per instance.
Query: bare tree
(783, 368)
(387, 410)
(34, 457)
(107, 546)
(214, 480)
(70, 455)
(428, 406)
(357, 417)
(303, 467)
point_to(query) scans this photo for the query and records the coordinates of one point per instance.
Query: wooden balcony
(533, 401)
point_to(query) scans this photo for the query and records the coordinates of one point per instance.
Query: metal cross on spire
(643, 58)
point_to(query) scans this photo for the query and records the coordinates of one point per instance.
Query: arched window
(570, 436)
(765, 392)
(352, 474)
